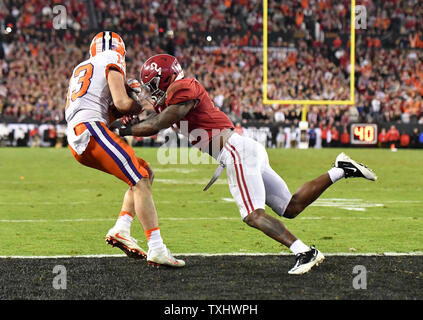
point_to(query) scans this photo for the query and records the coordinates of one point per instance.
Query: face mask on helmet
(157, 95)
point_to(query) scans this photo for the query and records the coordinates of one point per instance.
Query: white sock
(124, 222)
(336, 174)
(154, 238)
(298, 246)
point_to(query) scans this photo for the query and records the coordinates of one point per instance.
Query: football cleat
(307, 260)
(126, 243)
(353, 169)
(161, 256)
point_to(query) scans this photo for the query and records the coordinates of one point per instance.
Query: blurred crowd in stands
(219, 42)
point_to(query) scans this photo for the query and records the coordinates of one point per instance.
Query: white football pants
(252, 182)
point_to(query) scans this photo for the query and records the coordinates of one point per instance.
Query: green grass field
(52, 205)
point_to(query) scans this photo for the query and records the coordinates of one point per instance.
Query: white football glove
(135, 87)
(138, 92)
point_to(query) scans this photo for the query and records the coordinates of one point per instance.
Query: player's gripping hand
(134, 84)
(134, 90)
(119, 128)
(139, 93)
(128, 120)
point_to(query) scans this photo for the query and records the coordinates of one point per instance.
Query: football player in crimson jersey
(252, 181)
(97, 84)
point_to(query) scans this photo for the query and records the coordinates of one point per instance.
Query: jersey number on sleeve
(84, 73)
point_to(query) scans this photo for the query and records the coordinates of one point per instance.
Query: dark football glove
(121, 129)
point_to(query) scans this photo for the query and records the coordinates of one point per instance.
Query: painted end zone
(217, 277)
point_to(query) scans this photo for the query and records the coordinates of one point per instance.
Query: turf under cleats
(126, 243)
(354, 169)
(161, 256)
(306, 260)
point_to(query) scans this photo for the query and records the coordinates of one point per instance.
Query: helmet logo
(157, 68)
(107, 36)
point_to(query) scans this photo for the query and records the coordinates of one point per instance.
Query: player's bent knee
(289, 214)
(143, 185)
(278, 209)
(253, 218)
(292, 210)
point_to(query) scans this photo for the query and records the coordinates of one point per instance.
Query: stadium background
(49, 205)
(220, 43)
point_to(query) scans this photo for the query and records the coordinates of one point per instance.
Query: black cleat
(306, 260)
(354, 169)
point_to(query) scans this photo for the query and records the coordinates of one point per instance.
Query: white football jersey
(89, 96)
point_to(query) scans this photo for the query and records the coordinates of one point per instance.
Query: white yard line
(54, 220)
(178, 171)
(200, 218)
(51, 203)
(188, 181)
(240, 254)
(200, 181)
(331, 202)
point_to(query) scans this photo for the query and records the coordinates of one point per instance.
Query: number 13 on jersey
(84, 74)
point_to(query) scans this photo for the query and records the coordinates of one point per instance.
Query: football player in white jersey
(97, 90)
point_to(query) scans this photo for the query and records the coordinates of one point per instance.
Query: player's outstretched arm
(121, 100)
(165, 119)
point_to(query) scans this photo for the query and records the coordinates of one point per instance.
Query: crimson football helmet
(157, 74)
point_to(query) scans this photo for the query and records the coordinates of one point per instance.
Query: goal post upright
(309, 102)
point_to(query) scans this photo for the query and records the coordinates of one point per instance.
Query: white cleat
(128, 244)
(354, 169)
(307, 260)
(162, 257)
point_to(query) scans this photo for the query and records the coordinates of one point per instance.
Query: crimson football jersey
(205, 115)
